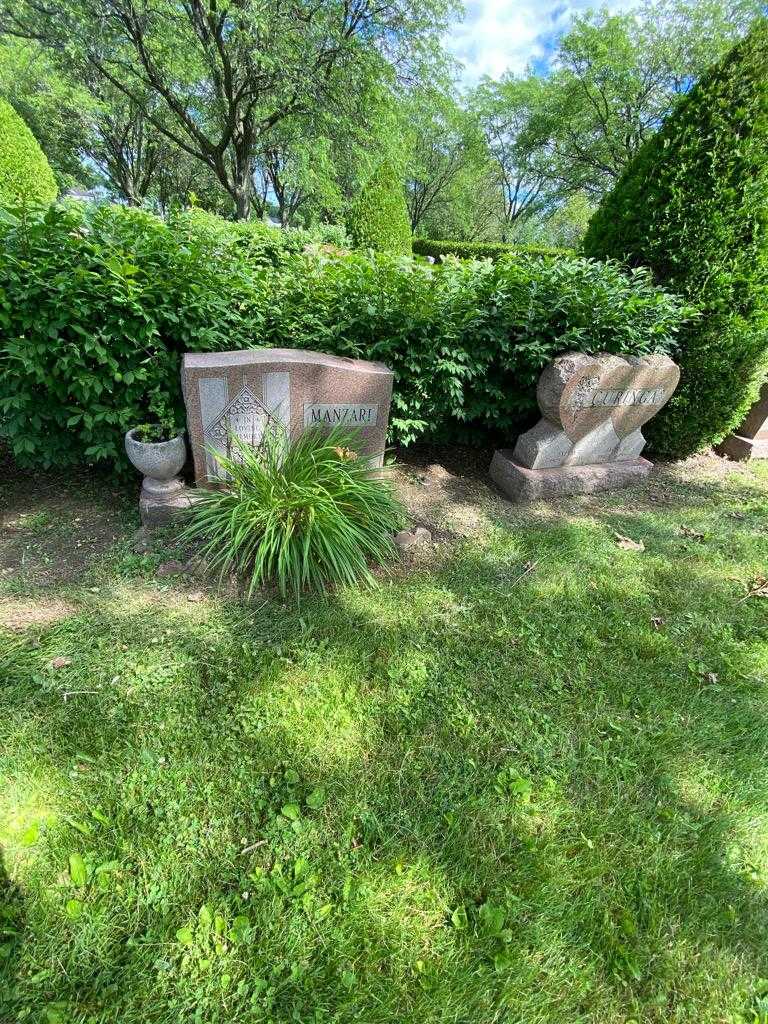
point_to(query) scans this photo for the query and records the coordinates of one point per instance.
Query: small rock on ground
(172, 568)
(416, 536)
(435, 474)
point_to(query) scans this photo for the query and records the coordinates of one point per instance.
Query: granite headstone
(241, 393)
(589, 437)
(750, 439)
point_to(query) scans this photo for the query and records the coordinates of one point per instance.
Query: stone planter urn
(162, 491)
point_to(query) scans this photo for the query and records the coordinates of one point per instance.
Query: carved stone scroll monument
(240, 393)
(589, 437)
(750, 439)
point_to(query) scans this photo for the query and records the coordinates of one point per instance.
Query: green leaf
(74, 909)
(503, 961)
(459, 918)
(100, 816)
(491, 919)
(291, 811)
(107, 866)
(205, 917)
(316, 798)
(77, 869)
(31, 835)
(185, 936)
(300, 868)
(323, 912)
(82, 826)
(240, 929)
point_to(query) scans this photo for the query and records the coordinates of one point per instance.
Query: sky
(507, 35)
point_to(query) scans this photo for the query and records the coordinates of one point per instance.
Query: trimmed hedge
(25, 174)
(378, 218)
(693, 206)
(481, 250)
(97, 305)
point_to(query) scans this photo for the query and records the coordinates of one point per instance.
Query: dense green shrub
(693, 206)
(467, 340)
(25, 174)
(304, 513)
(480, 250)
(97, 306)
(328, 234)
(378, 218)
(257, 241)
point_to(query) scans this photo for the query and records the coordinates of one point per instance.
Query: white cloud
(506, 35)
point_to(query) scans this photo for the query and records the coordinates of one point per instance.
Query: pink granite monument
(750, 440)
(240, 393)
(589, 437)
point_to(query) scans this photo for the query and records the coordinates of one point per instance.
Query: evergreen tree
(378, 218)
(693, 206)
(25, 174)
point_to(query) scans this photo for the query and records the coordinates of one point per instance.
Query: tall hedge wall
(97, 306)
(693, 206)
(25, 174)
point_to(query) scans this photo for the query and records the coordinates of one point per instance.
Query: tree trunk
(242, 204)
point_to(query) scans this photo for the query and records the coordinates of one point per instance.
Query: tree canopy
(257, 106)
(215, 80)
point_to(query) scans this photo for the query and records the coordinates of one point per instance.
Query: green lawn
(473, 795)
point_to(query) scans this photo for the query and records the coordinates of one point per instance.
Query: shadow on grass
(537, 746)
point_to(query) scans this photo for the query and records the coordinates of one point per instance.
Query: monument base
(523, 485)
(742, 449)
(161, 509)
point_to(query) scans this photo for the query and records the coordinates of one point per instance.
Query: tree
(693, 206)
(58, 110)
(507, 112)
(129, 149)
(562, 225)
(378, 219)
(25, 174)
(472, 210)
(566, 226)
(226, 75)
(297, 168)
(91, 134)
(138, 161)
(443, 140)
(618, 77)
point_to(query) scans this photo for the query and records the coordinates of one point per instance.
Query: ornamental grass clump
(303, 513)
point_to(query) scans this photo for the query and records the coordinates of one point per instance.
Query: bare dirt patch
(18, 613)
(449, 505)
(448, 491)
(53, 526)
